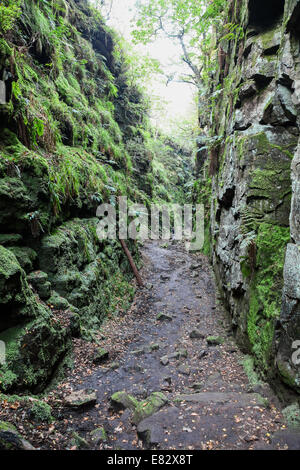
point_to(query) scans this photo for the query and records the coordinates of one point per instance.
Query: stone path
(163, 345)
(175, 361)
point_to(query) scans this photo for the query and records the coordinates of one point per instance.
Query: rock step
(234, 398)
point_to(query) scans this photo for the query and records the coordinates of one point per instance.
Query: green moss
(148, 407)
(78, 141)
(25, 256)
(287, 374)
(10, 239)
(69, 112)
(8, 263)
(267, 38)
(65, 106)
(32, 351)
(249, 367)
(265, 291)
(202, 195)
(245, 268)
(292, 415)
(41, 412)
(99, 434)
(263, 145)
(5, 426)
(9, 13)
(207, 244)
(215, 340)
(58, 302)
(123, 400)
(79, 442)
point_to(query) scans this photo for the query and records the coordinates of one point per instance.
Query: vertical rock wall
(66, 112)
(254, 166)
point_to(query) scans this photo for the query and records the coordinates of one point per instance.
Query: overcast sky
(178, 95)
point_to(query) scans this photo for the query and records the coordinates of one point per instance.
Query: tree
(189, 22)
(105, 6)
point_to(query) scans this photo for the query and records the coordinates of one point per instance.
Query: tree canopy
(189, 22)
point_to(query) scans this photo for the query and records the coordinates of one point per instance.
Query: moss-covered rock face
(254, 210)
(86, 274)
(35, 341)
(73, 129)
(86, 278)
(33, 352)
(73, 120)
(16, 299)
(10, 439)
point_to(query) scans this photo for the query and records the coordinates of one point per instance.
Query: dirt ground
(211, 404)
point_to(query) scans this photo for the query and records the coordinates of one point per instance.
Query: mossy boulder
(79, 442)
(163, 317)
(10, 439)
(39, 280)
(196, 334)
(33, 352)
(101, 355)
(149, 406)
(292, 415)
(215, 340)
(40, 412)
(98, 435)
(122, 400)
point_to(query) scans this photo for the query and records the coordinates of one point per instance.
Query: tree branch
(187, 59)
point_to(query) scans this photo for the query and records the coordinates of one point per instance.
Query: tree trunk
(132, 263)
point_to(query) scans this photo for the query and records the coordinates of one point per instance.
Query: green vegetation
(40, 412)
(171, 170)
(266, 289)
(65, 103)
(76, 132)
(9, 13)
(292, 415)
(188, 22)
(141, 409)
(249, 367)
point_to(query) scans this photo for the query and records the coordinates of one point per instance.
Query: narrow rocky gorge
(206, 354)
(168, 374)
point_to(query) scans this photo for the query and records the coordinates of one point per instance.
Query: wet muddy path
(162, 345)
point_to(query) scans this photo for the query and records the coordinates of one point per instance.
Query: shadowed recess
(265, 14)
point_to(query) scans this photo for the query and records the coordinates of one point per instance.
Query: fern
(9, 13)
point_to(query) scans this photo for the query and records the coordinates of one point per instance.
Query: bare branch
(187, 59)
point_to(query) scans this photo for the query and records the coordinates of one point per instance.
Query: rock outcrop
(67, 110)
(254, 169)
